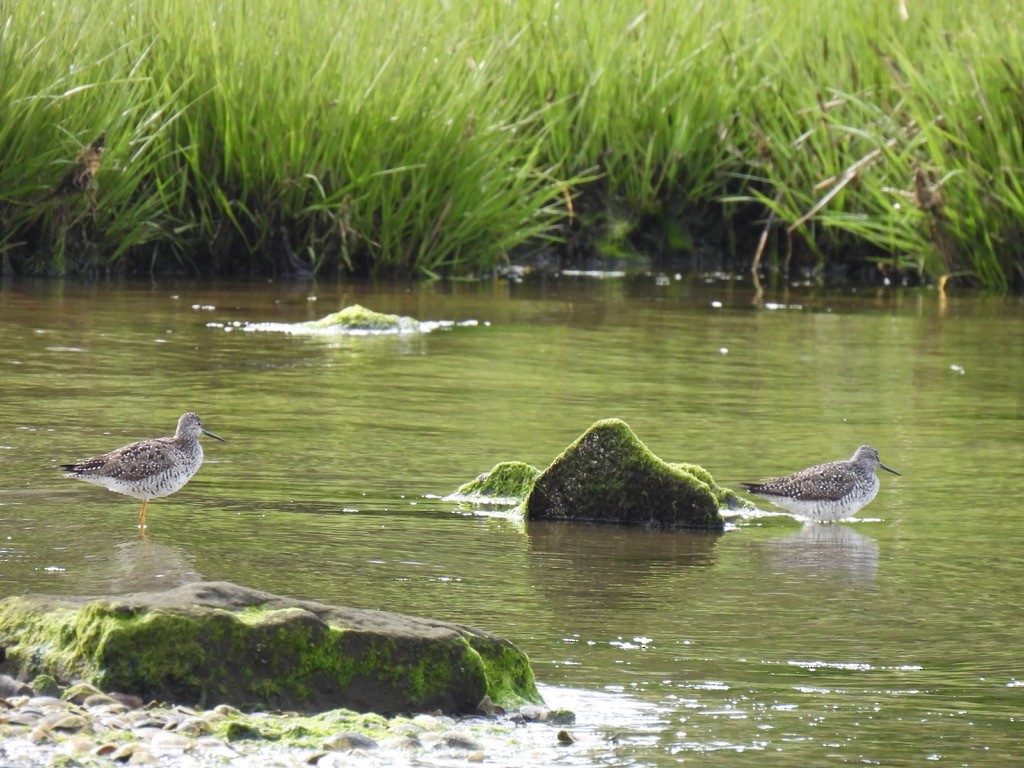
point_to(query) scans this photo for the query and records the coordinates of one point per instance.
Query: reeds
(437, 138)
(901, 138)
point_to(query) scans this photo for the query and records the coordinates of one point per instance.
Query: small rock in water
(98, 699)
(80, 692)
(43, 685)
(23, 717)
(193, 727)
(77, 746)
(130, 701)
(241, 731)
(402, 743)
(486, 706)
(10, 687)
(562, 717)
(432, 722)
(531, 712)
(349, 740)
(47, 703)
(457, 740)
(136, 754)
(215, 748)
(169, 743)
(39, 734)
(65, 721)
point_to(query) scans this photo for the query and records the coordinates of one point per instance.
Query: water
(894, 640)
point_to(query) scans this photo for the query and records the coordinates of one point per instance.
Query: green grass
(438, 138)
(877, 99)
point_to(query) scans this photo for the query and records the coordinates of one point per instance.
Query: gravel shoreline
(83, 726)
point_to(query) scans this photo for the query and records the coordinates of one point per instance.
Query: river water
(894, 640)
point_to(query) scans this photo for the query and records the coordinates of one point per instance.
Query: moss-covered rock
(609, 476)
(207, 643)
(726, 497)
(356, 318)
(509, 482)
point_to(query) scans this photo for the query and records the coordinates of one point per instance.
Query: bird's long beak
(210, 434)
(880, 464)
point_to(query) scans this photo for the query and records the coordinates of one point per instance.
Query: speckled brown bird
(148, 469)
(826, 492)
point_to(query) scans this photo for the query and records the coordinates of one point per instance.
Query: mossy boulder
(726, 497)
(609, 476)
(358, 319)
(508, 482)
(214, 642)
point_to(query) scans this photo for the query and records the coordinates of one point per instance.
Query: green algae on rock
(354, 320)
(727, 498)
(357, 318)
(509, 482)
(609, 476)
(207, 643)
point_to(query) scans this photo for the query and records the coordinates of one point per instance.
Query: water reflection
(610, 564)
(827, 549)
(141, 566)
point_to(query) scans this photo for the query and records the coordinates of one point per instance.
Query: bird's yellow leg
(142, 513)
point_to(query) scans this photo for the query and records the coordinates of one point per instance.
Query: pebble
(83, 725)
(197, 726)
(533, 712)
(457, 740)
(215, 748)
(350, 740)
(169, 743)
(10, 687)
(98, 699)
(401, 744)
(77, 746)
(79, 693)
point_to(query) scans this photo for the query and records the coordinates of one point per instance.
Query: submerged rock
(210, 642)
(609, 476)
(354, 320)
(509, 482)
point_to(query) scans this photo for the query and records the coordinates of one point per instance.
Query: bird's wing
(132, 462)
(822, 483)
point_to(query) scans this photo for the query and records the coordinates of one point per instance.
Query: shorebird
(148, 469)
(826, 492)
